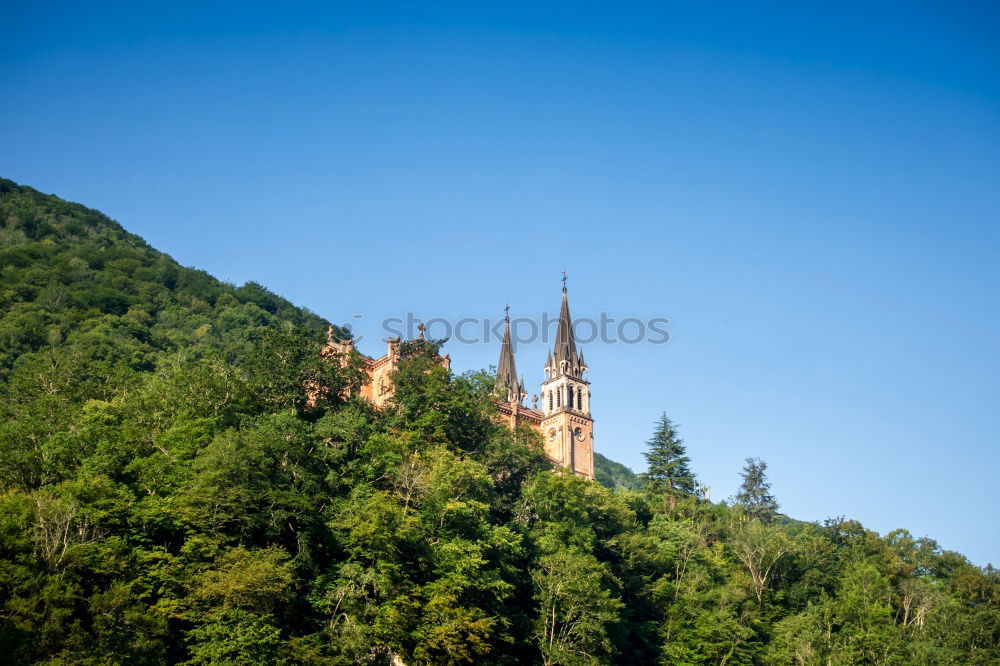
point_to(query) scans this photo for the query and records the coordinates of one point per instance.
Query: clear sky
(809, 192)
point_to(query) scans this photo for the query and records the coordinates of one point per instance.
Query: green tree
(760, 548)
(853, 627)
(575, 608)
(235, 636)
(754, 495)
(668, 465)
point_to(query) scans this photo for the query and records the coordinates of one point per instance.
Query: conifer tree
(755, 491)
(668, 468)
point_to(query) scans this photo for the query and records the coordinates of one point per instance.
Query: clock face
(579, 434)
(552, 433)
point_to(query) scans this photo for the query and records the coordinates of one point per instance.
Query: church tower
(566, 426)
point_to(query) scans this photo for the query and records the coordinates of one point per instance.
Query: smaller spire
(507, 381)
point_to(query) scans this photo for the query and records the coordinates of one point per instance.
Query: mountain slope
(615, 475)
(69, 274)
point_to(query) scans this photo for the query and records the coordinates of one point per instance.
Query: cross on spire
(564, 280)
(506, 311)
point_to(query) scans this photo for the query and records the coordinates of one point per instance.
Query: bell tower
(567, 428)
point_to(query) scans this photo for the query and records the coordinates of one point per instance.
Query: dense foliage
(169, 493)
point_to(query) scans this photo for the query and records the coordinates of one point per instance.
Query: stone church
(563, 418)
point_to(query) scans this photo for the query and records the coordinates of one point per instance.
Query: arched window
(569, 397)
(550, 401)
(579, 398)
(559, 398)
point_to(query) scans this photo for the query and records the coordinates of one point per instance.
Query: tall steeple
(507, 379)
(567, 427)
(565, 359)
(565, 356)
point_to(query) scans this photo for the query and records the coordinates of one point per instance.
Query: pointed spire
(507, 380)
(565, 344)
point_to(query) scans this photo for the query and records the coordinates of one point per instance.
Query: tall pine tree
(668, 469)
(755, 491)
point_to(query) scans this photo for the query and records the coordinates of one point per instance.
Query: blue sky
(810, 195)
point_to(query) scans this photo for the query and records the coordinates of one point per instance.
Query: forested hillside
(169, 495)
(72, 277)
(615, 475)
